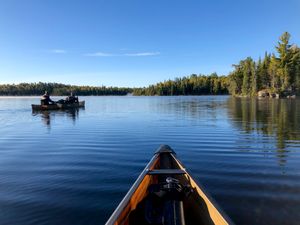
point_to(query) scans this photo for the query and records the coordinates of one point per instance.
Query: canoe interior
(58, 106)
(198, 208)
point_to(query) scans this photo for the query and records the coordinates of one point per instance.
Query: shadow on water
(191, 107)
(279, 118)
(48, 116)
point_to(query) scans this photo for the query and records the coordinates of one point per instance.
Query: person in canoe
(71, 99)
(46, 100)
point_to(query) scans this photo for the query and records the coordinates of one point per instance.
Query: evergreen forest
(276, 73)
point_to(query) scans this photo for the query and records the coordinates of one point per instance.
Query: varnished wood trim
(214, 213)
(133, 196)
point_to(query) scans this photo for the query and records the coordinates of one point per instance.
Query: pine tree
(273, 71)
(247, 69)
(285, 61)
(253, 79)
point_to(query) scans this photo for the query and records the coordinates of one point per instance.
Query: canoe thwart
(166, 172)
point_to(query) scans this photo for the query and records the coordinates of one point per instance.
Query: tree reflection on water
(279, 118)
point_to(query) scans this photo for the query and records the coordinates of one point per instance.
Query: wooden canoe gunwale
(214, 209)
(114, 217)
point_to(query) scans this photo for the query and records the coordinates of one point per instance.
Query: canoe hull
(58, 106)
(199, 208)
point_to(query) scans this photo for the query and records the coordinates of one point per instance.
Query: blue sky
(135, 43)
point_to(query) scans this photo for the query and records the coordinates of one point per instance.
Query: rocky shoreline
(269, 94)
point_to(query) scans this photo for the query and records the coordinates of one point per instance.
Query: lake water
(74, 167)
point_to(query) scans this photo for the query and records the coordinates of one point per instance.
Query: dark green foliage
(26, 89)
(191, 85)
(277, 74)
(263, 77)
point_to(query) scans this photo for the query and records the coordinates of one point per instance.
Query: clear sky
(136, 42)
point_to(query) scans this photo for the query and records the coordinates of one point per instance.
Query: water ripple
(73, 167)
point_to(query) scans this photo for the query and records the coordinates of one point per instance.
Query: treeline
(27, 89)
(190, 85)
(276, 73)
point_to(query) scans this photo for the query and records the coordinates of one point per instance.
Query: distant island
(56, 89)
(275, 75)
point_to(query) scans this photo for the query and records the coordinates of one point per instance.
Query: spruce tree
(285, 61)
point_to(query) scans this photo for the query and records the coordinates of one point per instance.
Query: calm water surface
(74, 167)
